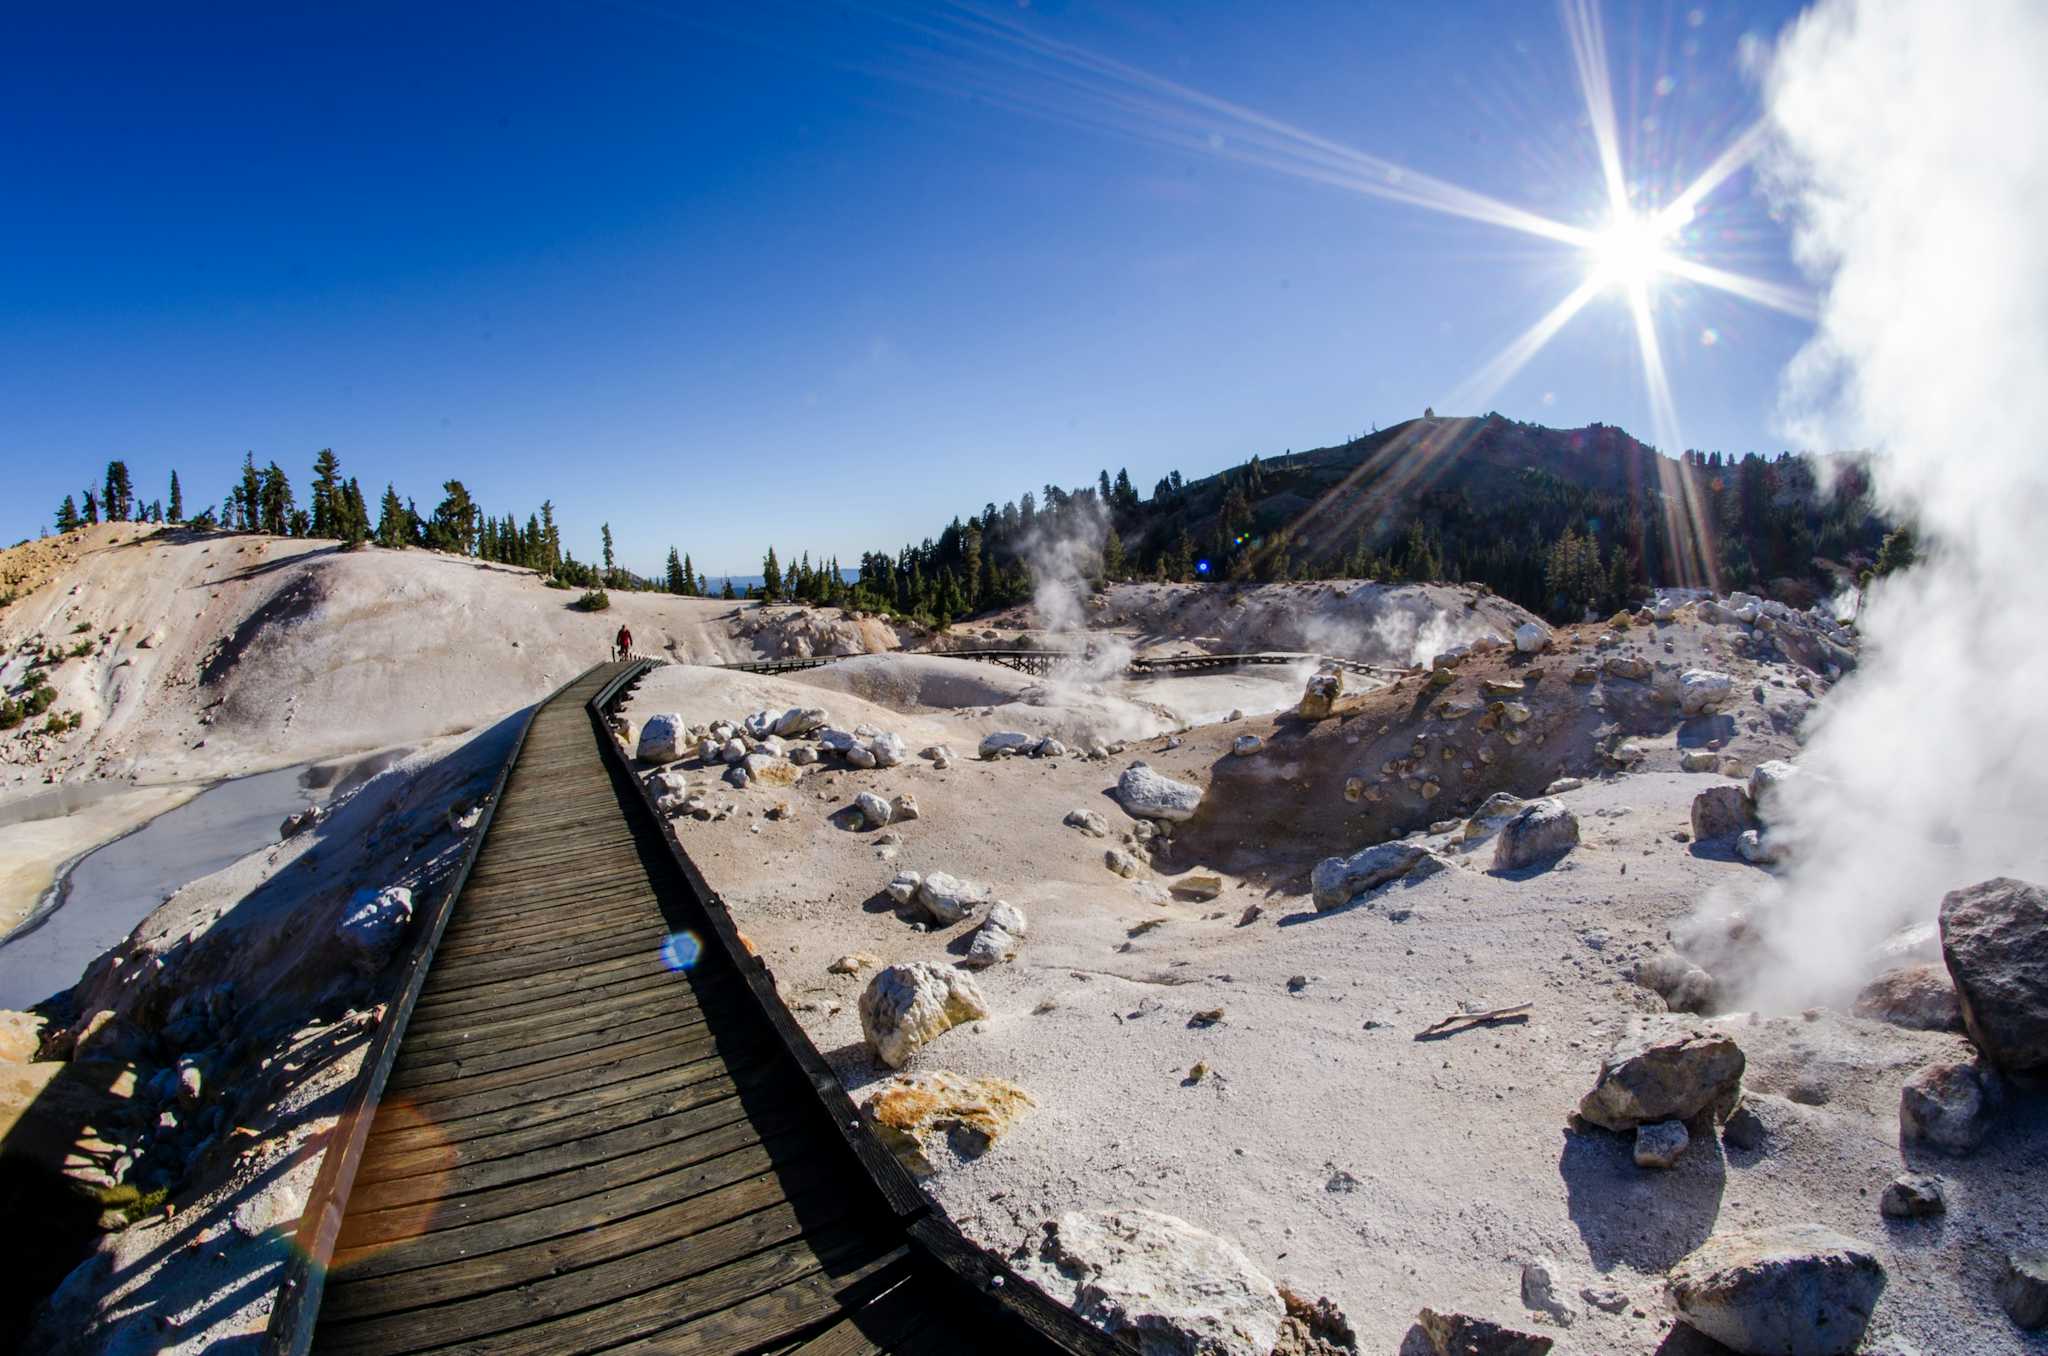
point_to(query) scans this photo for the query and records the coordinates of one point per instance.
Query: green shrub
(559, 584)
(81, 628)
(81, 649)
(594, 600)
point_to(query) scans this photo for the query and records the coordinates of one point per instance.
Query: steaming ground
(1350, 1159)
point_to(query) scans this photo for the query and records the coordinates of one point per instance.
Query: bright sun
(1629, 252)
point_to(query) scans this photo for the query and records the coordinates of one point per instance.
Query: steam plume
(1911, 153)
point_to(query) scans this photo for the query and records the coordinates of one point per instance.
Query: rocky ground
(1198, 1022)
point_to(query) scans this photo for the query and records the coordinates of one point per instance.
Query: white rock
(1146, 794)
(861, 756)
(661, 739)
(1562, 785)
(1159, 1284)
(1532, 637)
(1090, 822)
(1123, 863)
(370, 929)
(1336, 881)
(948, 899)
(874, 811)
(903, 887)
(904, 807)
(1006, 742)
(1541, 830)
(1703, 690)
(1049, 747)
(905, 1007)
(1246, 745)
(1001, 932)
(799, 720)
(759, 725)
(837, 741)
(1767, 783)
(735, 750)
(888, 749)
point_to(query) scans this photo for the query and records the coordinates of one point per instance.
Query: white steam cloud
(1912, 159)
(1064, 556)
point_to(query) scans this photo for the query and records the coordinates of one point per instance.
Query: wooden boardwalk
(583, 1147)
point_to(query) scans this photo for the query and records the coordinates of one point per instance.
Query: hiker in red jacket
(623, 644)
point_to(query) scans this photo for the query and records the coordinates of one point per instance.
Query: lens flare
(680, 951)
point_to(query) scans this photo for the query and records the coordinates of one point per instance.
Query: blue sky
(824, 276)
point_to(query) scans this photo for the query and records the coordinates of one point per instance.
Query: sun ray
(1589, 56)
(1138, 103)
(1477, 390)
(1725, 166)
(1777, 297)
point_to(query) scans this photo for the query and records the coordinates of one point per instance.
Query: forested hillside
(1557, 520)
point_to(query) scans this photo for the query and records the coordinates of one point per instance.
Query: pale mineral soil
(240, 976)
(1348, 1157)
(216, 655)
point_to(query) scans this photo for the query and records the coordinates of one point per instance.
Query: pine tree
(177, 500)
(274, 496)
(391, 528)
(689, 576)
(326, 484)
(355, 516)
(454, 525)
(114, 503)
(728, 593)
(249, 498)
(551, 539)
(610, 571)
(676, 577)
(1112, 557)
(92, 507)
(771, 577)
(67, 515)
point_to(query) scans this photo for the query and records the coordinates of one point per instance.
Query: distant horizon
(656, 554)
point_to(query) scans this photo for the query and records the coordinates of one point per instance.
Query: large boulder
(1146, 794)
(662, 739)
(1920, 997)
(1994, 937)
(934, 1119)
(1158, 1284)
(1007, 742)
(370, 929)
(1767, 785)
(1320, 695)
(800, 720)
(888, 749)
(1674, 1077)
(1793, 1290)
(1455, 1334)
(948, 899)
(1721, 812)
(2023, 1289)
(1496, 810)
(1336, 881)
(1629, 666)
(1948, 1106)
(1540, 831)
(1703, 690)
(1532, 637)
(906, 1007)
